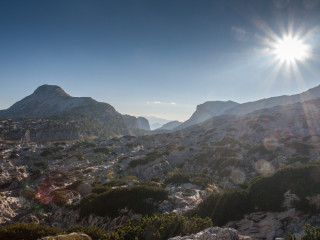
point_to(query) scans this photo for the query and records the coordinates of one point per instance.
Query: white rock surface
(214, 233)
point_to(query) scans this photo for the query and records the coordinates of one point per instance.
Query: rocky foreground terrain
(255, 175)
(45, 182)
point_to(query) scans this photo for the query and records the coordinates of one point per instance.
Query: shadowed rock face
(143, 123)
(136, 123)
(52, 102)
(49, 100)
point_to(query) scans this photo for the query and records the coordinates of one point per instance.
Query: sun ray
(291, 49)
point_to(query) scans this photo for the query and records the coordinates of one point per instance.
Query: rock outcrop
(260, 225)
(71, 236)
(206, 111)
(143, 123)
(215, 233)
(136, 123)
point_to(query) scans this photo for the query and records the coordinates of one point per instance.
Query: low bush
(42, 165)
(13, 155)
(28, 231)
(227, 205)
(199, 179)
(115, 182)
(109, 203)
(104, 150)
(159, 227)
(298, 159)
(310, 233)
(264, 193)
(46, 152)
(150, 157)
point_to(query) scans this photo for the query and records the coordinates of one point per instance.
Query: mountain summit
(50, 91)
(50, 101)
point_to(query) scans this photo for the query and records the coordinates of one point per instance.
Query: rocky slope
(245, 108)
(170, 125)
(206, 111)
(44, 183)
(143, 123)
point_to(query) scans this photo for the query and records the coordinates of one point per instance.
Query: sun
(291, 49)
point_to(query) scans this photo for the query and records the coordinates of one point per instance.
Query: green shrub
(35, 173)
(227, 205)
(109, 203)
(94, 232)
(28, 231)
(43, 165)
(297, 159)
(13, 155)
(311, 233)
(75, 185)
(115, 182)
(104, 150)
(199, 179)
(100, 189)
(159, 227)
(150, 157)
(60, 197)
(46, 152)
(264, 193)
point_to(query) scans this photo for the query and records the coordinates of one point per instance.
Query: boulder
(214, 233)
(30, 218)
(71, 236)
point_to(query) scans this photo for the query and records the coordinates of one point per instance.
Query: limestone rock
(71, 236)
(214, 233)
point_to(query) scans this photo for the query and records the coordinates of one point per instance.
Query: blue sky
(154, 58)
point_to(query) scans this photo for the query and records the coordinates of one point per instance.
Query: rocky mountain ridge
(53, 104)
(208, 110)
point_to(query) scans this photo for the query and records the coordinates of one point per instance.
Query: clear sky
(156, 58)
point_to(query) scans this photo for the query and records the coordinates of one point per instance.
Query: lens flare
(290, 49)
(237, 176)
(264, 167)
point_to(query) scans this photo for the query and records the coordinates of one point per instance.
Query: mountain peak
(50, 90)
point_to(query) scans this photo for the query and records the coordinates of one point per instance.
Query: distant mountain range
(86, 117)
(156, 122)
(206, 111)
(170, 125)
(211, 109)
(53, 102)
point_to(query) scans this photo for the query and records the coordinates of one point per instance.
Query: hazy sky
(158, 58)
